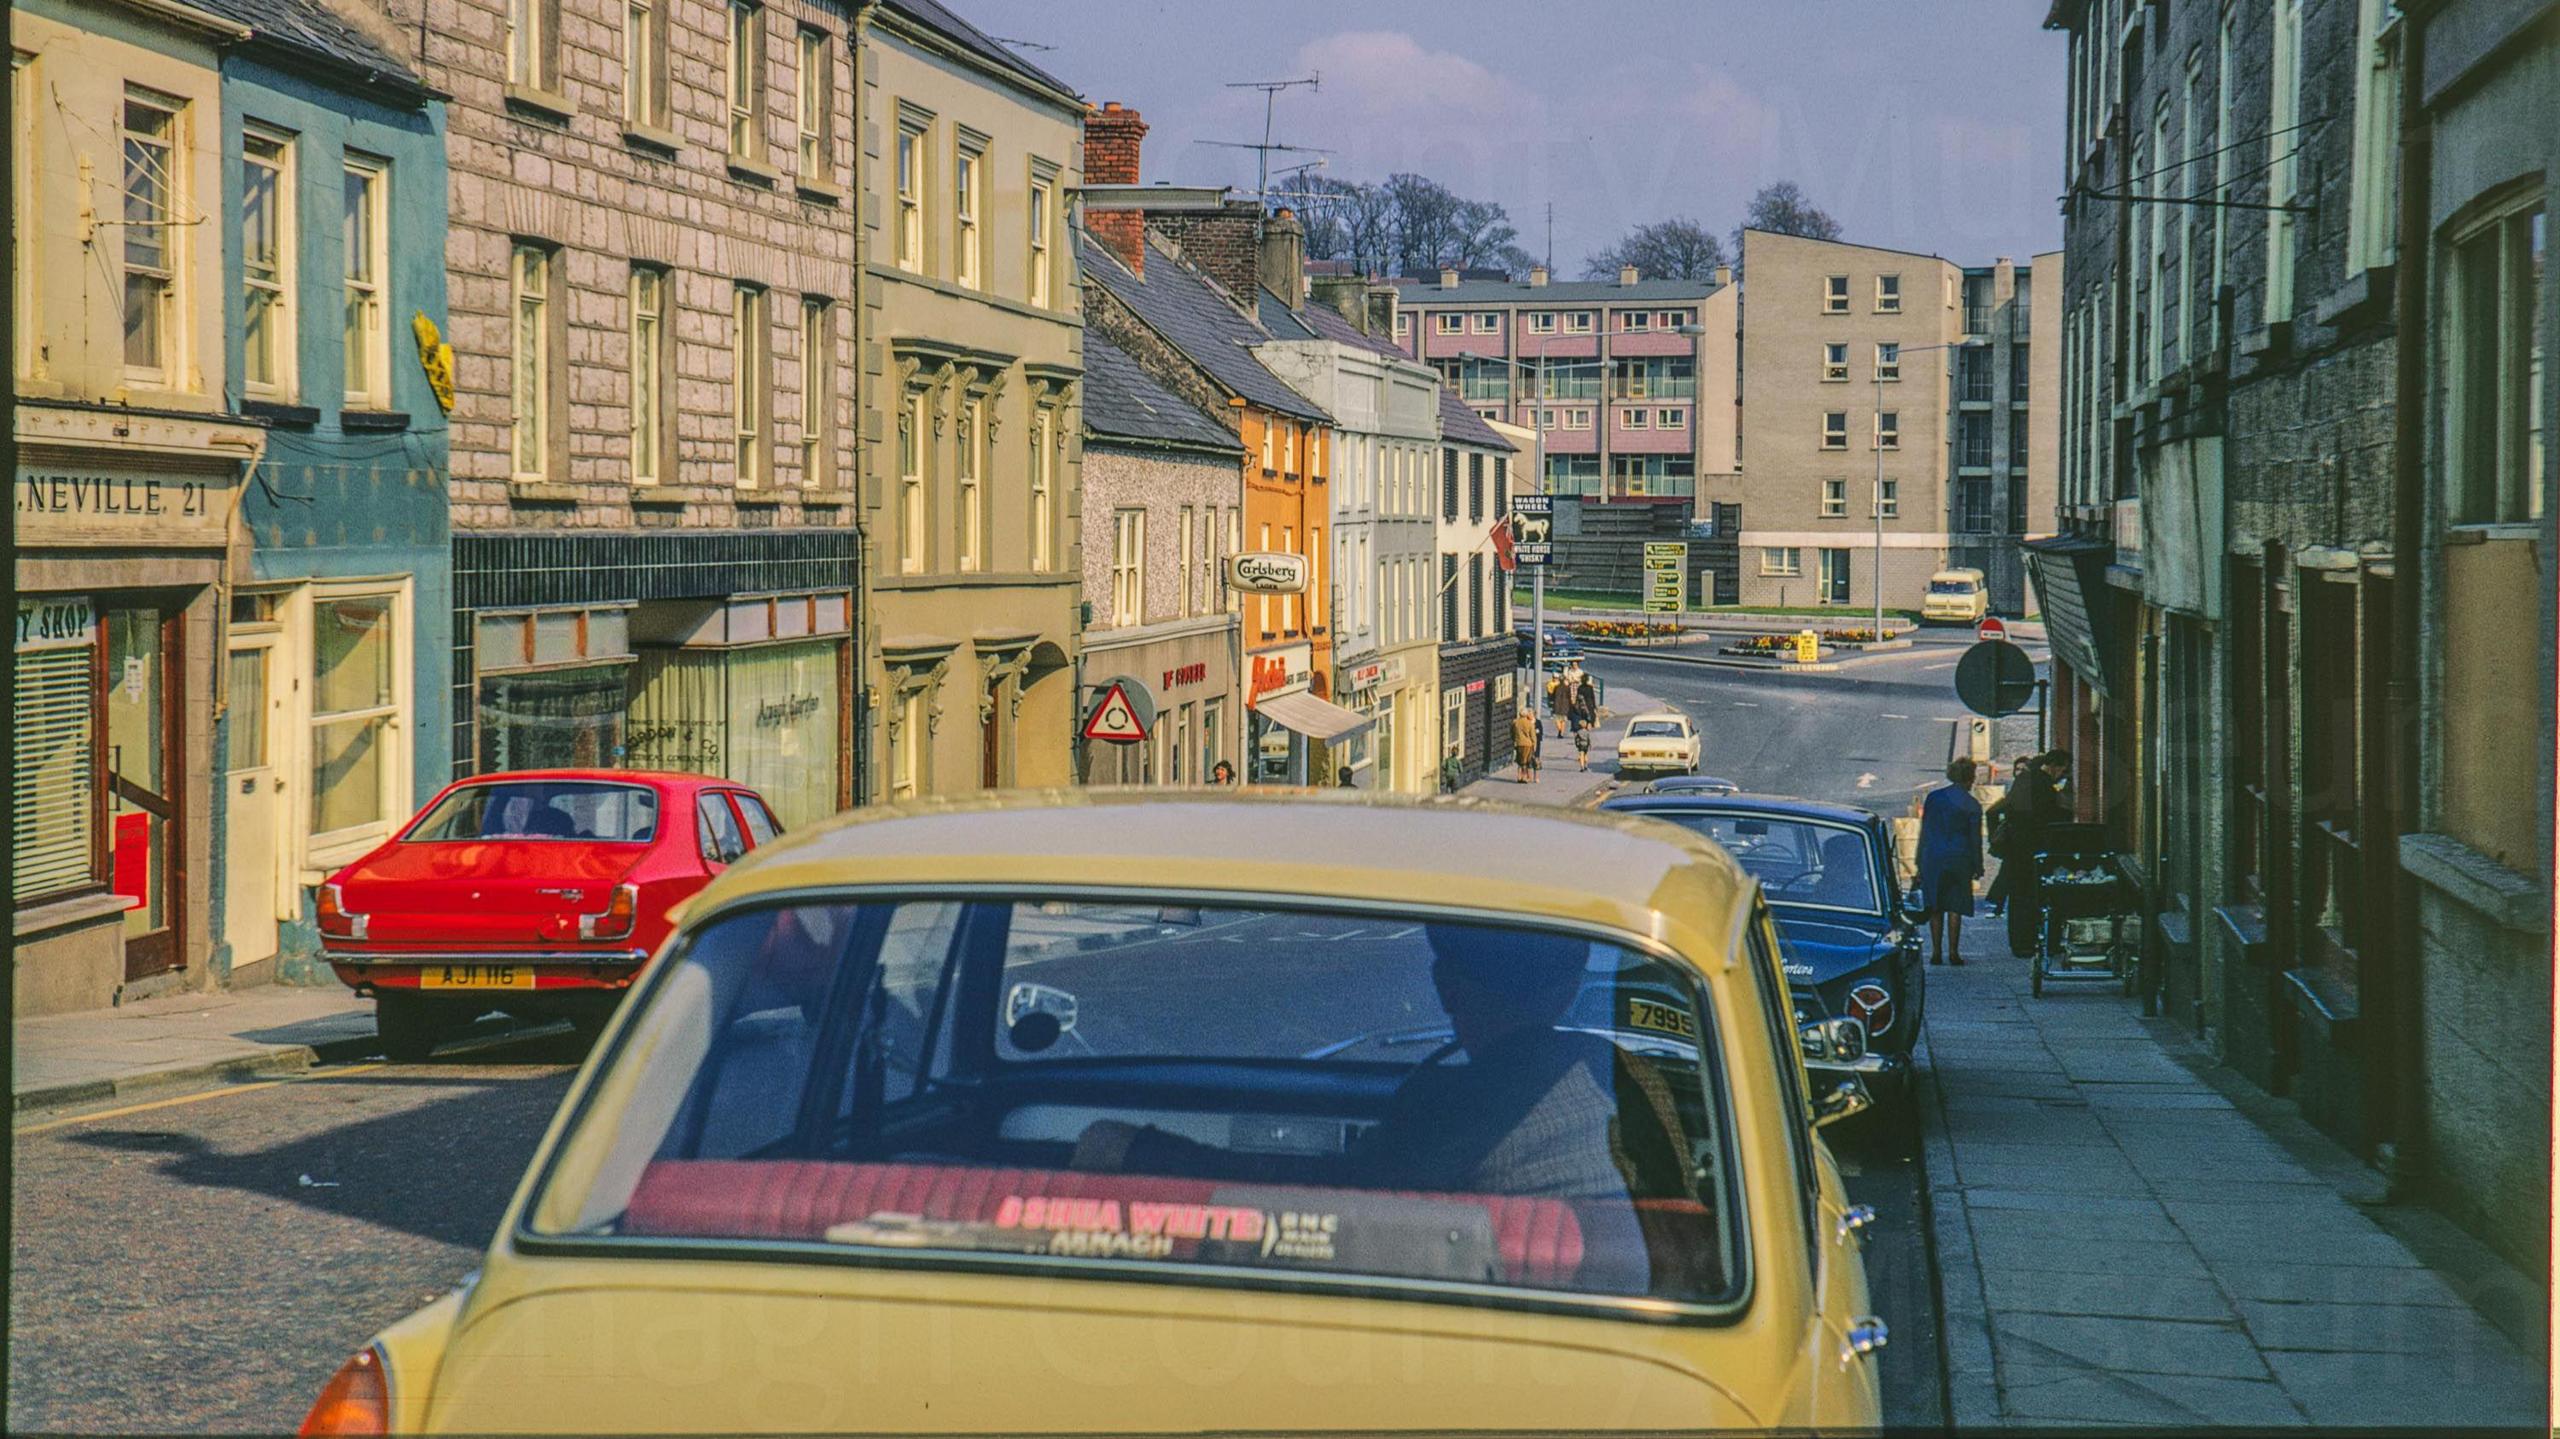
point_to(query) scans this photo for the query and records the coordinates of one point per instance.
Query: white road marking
(1902, 717)
(1867, 780)
(1946, 719)
(1746, 704)
(1947, 666)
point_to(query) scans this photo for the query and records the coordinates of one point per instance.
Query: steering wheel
(1804, 877)
(1447, 1047)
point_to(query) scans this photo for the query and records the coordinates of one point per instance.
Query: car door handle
(1866, 1336)
(1855, 1219)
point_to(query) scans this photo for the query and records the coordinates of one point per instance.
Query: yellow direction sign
(1666, 578)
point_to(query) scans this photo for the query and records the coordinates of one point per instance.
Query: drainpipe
(2408, 520)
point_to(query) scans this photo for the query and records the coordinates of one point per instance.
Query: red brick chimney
(1112, 137)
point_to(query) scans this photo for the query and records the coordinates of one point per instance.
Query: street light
(1876, 438)
(1538, 476)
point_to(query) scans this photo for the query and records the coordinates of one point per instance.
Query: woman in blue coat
(1950, 859)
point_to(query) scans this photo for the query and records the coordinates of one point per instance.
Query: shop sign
(1285, 670)
(1267, 572)
(75, 507)
(774, 713)
(1361, 677)
(1182, 675)
(57, 622)
(1475, 687)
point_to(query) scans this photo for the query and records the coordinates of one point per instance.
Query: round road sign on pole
(1995, 678)
(1992, 628)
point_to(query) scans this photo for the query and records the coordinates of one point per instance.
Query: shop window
(552, 719)
(54, 790)
(354, 707)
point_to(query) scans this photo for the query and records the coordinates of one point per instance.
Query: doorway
(144, 834)
(1832, 578)
(254, 826)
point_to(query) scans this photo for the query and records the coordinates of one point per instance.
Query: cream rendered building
(971, 341)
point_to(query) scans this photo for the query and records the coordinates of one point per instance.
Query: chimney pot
(1448, 277)
(1627, 274)
(1537, 275)
(1724, 274)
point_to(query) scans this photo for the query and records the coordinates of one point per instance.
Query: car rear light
(336, 920)
(1872, 1005)
(621, 915)
(355, 1400)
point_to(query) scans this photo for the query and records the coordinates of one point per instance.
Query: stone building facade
(653, 445)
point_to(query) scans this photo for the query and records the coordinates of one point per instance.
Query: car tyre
(410, 1028)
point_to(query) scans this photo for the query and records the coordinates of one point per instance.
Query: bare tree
(1678, 249)
(1784, 208)
(1349, 220)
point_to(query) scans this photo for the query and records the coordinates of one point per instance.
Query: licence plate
(475, 976)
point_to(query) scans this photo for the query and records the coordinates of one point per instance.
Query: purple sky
(1931, 125)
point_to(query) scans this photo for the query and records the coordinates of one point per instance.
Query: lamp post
(1877, 439)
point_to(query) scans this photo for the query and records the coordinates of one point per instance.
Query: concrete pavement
(2119, 1242)
(1560, 780)
(184, 1038)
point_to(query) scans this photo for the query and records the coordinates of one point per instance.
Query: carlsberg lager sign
(1262, 572)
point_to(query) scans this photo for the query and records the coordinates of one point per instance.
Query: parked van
(1956, 597)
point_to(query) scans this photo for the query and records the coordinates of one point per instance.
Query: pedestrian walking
(1524, 744)
(1582, 746)
(1560, 703)
(1950, 859)
(1996, 899)
(2030, 808)
(1586, 703)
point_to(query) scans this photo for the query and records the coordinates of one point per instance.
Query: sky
(1926, 125)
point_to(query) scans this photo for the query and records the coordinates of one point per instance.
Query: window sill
(280, 414)
(543, 104)
(544, 492)
(373, 421)
(762, 495)
(831, 497)
(667, 495)
(753, 171)
(651, 138)
(66, 913)
(2365, 295)
(820, 192)
(2270, 341)
(2496, 533)
(2455, 869)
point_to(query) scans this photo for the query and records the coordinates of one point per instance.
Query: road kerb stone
(1964, 1314)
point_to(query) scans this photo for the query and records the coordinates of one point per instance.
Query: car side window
(1779, 1011)
(760, 822)
(722, 841)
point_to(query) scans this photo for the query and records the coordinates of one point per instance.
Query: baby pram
(2090, 926)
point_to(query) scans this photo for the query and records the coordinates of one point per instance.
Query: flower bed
(1626, 629)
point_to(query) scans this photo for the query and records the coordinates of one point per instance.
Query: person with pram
(2018, 826)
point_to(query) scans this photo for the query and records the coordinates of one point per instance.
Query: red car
(538, 892)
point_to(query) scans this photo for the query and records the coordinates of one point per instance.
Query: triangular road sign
(1114, 719)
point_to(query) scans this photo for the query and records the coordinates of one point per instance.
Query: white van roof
(1973, 575)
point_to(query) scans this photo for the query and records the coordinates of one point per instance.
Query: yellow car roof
(1625, 873)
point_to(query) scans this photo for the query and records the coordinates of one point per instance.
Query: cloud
(1388, 103)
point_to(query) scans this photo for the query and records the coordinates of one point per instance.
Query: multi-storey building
(339, 632)
(2301, 472)
(1479, 655)
(131, 464)
(969, 340)
(1897, 393)
(1162, 490)
(651, 268)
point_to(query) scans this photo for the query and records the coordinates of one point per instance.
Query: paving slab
(2431, 1391)
(2088, 1256)
(2050, 1394)
(2116, 1345)
(2038, 1224)
(2129, 1296)
(2288, 1283)
(2059, 1203)
(2367, 1328)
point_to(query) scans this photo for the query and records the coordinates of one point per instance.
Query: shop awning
(2071, 585)
(1317, 719)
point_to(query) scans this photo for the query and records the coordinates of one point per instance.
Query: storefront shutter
(54, 815)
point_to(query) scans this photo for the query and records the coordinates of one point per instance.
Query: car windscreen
(1653, 729)
(514, 809)
(1819, 864)
(1218, 1095)
(1954, 587)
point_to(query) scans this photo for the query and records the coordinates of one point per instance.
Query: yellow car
(1132, 1112)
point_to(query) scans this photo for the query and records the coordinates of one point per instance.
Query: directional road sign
(1666, 584)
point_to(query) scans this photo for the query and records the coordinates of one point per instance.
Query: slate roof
(935, 16)
(1462, 426)
(1196, 318)
(310, 30)
(1124, 402)
(1330, 324)
(1556, 292)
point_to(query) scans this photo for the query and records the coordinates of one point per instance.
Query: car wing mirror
(1848, 1098)
(1832, 1041)
(1026, 999)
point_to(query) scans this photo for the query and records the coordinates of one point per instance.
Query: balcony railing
(1654, 387)
(1573, 387)
(1977, 319)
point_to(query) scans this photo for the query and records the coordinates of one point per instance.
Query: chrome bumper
(583, 956)
(1866, 1066)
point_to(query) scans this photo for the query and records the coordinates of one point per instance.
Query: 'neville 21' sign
(65, 507)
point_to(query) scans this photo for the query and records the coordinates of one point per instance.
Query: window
(1475, 488)
(911, 533)
(644, 63)
(266, 263)
(2496, 428)
(1475, 596)
(1888, 360)
(1289, 602)
(1674, 319)
(1578, 322)
(1973, 504)
(1782, 561)
(368, 340)
(2020, 373)
(2164, 275)
(817, 391)
(1835, 429)
(964, 217)
(1203, 559)
(532, 49)
(969, 435)
(532, 388)
(1973, 441)
(1889, 430)
(2222, 157)
(1404, 326)
(906, 752)
(1044, 427)
(1888, 294)
(1577, 419)
(355, 775)
(1448, 598)
(1037, 220)
(1835, 295)
(746, 80)
(1270, 447)
(1973, 374)
(1889, 498)
(1262, 603)
(1635, 419)
(1449, 485)
(1289, 449)
(817, 106)
(1128, 567)
(1182, 565)
(1449, 324)
(910, 242)
(54, 815)
(152, 263)
(1835, 499)
(22, 87)
(1635, 320)
(648, 375)
(1835, 361)
(2284, 146)
(1542, 322)
(750, 361)
(1488, 322)
(1671, 419)
(2373, 228)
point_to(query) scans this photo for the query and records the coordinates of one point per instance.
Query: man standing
(1524, 744)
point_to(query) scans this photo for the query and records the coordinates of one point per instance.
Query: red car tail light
(1872, 1005)
(354, 1401)
(336, 920)
(621, 915)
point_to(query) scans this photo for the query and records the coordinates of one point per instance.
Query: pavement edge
(1971, 1384)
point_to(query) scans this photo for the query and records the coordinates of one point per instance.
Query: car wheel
(410, 1028)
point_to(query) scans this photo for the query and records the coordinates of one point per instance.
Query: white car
(1660, 740)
